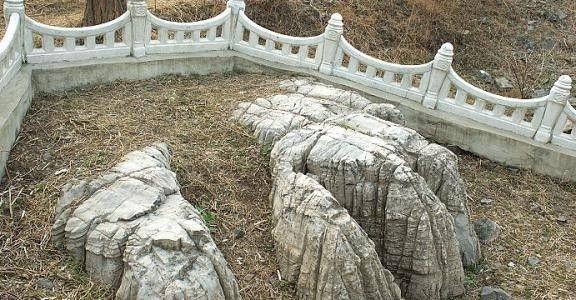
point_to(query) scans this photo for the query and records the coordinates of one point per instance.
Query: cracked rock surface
(404, 192)
(132, 229)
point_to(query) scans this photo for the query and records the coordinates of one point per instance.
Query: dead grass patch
(220, 167)
(528, 207)
(224, 172)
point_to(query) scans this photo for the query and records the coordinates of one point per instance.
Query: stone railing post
(557, 100)
(440, 68)
(236, 6)
(13, 6)
(16, 6)
(332, 35)
(138, 18)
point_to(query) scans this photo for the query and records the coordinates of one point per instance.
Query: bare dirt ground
(222, 170)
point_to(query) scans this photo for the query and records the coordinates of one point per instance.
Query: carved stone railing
(170, 37)
(44, 43)
(254, 40)
(434, 85)
(10, 51)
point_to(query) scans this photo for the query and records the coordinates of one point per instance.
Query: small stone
(487, 230)
(238, 233)
(533, 260)
(46, 156)
(556, 16)
(466, 32)
(539, 93)
(548, 43)
(60, 172)
(493, 293)
(484, 20)
(526, 42)
(513, 170)
(45, 283)
(562, 219)
(511, 264)
(485, 76)
(503, 83)
(486, 201)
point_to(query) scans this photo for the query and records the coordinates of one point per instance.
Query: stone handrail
(434, 85)
(522, 117)
(172, 37)
(407, 81)
(45, 43)
(10, 51)
(566, 119)
(257, 41)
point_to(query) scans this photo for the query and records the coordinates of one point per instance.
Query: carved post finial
(444, 57)
(236, 5)
(557, 100)
(13, 6)
(138, 9)
(440, 69)
(332, 34)
(335, 23)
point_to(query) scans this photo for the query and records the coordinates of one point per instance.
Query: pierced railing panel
(257, 41)
(460, 98)
(10, 51)
(44, 43)
(564, 134)
(172, 37)
(409, 81)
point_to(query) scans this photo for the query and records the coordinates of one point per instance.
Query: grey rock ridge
(320, 247)
(403, 191)
(132, 229)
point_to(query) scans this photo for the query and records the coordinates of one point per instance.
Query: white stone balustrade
(332, 36)
(556, 102)
(11, 51)
(433, 85)
(256, 41)
(440, 69)
(44, 43)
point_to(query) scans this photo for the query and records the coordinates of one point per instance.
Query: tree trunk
(102, 11)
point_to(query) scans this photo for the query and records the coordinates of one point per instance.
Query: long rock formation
(403, 191)
(132, 229)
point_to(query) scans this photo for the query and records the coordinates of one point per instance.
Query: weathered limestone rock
(320, 247)
(133, 230)
(403, 191)
(273, 117)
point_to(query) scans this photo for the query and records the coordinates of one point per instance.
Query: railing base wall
(484, 141)
(441, 127)
(15, 100)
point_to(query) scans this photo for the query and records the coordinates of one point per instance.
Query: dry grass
(220, 168)
(528, 208)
